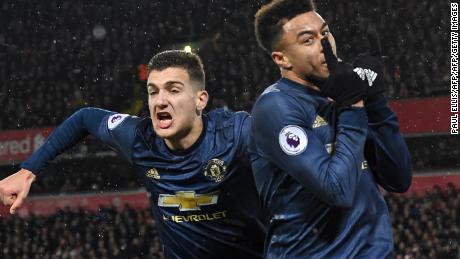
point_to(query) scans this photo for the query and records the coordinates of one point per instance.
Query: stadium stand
(58, 56)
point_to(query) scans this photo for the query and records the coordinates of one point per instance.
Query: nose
(161, 100)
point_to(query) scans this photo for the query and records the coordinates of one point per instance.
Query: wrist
(374, 98)
(359, 104)
(28, 175)
(378, 109)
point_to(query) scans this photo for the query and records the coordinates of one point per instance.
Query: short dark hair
(271, 17)
(179, 59)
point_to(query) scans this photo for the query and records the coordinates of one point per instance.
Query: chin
(164, 133)
(323, 75)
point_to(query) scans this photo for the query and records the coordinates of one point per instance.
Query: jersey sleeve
(96, 122)
(388, 154)
(243, 131)
(283, 136)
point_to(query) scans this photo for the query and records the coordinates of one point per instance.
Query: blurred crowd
(58, 56)
(426, 226)
(107, 233)
(434, 152)
(62, 55)
(85, 175)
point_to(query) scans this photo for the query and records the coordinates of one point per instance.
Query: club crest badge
(153, 173)
(293, 140)
(215, 170)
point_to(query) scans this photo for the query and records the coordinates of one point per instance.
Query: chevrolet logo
(187, 200)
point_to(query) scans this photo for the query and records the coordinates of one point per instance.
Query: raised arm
(386, 150)
(283, 137)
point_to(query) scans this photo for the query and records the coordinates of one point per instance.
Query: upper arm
(244, 131)
(282, 135)
(118, 132)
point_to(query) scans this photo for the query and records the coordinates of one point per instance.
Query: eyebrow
(311, 31)
(168, 83)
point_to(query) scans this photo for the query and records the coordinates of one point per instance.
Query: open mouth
(164, 120)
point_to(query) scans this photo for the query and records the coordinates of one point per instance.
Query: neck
(186, 140)
(296, 78)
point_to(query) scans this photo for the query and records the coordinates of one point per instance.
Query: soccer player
(195, 167)
(325, 140)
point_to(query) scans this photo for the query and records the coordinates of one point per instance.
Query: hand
(370, 66)
(343, 85)
(358, 104)
(15, 188)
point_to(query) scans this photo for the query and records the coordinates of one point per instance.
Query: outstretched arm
(83, 122)
(15, 188)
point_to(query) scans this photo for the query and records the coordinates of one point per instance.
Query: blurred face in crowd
(176, 105)
(299, 52)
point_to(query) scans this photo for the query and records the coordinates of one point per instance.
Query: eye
(325, 33)
(308, 41)
(175, 91)
(153, 92)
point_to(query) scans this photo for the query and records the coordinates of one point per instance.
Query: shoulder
(280, 102)
(121, 122)
(284, 105)
(224, 118)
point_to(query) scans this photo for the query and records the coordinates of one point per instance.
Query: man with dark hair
(324, 138)
(188, 61)
(194, 166)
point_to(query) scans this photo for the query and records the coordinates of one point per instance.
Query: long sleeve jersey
(203, 199)
(313, 176)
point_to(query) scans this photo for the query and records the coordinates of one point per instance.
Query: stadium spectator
(65, 55)
(107, 233)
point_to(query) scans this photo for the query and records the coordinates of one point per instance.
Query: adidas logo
(319, 121)
(364, 73)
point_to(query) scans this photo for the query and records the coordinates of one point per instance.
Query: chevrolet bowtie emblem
(187, 200)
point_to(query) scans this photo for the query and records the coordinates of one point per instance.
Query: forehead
(171, 74)
(310, 21)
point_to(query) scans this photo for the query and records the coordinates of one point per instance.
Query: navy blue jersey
(204, 198)
(313, 173)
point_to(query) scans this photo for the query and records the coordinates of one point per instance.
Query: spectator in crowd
(424, 226)
(64, 55)
(107, 233)
(429, 225)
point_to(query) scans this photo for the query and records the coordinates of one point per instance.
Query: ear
(281, 60)
(201, 100)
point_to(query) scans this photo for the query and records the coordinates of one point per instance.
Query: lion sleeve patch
(115, 120)
(293, 140)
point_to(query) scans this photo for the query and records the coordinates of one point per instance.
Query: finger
(7, 200)
(17, 203)
(374, 42)
(331, 59)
